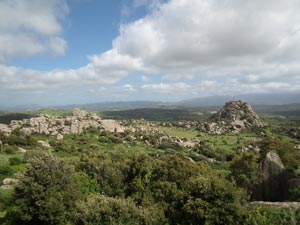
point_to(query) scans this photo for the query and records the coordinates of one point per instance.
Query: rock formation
(273, 179)
(234, 117)
(60, 125)
(8, 183)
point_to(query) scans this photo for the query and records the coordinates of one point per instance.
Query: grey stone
(44, 144)
(59, 136)
(273, 179)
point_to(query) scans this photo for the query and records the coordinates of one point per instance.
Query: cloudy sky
(79, 51)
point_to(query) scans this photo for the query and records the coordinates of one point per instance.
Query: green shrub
(244, 170)
(294, 194)
(14, 161)
(16, 140)
(274, 216)
(47, 192)
(5, 171)
(100, 209)
(9, 150)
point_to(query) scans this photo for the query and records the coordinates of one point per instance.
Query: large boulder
(233, 117)
(8, 183)
(5, 129)
(58, 125)
(273, 179)
(112, 126)
(238, 113)
(79, 113)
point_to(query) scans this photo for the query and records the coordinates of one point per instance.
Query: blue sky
(60, 52)
(90, 27)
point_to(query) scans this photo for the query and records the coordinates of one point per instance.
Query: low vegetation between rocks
(232, 168)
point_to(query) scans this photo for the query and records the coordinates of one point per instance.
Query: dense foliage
(140, 178)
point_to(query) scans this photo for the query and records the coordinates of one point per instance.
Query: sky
(60, 52)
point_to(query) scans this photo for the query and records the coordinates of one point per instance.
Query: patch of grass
(180, 133)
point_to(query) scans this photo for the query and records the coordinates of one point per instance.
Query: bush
(244, 170)
(14, 161)
(274, 216)
(9, 150)
(5, 171)
(169, 145)
(47, 192)
(116, 140)
(99, 209)
(16, 140)
(294, 194)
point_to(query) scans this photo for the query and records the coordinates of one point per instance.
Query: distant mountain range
(253, 99)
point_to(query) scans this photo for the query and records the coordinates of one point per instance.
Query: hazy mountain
(253, 99)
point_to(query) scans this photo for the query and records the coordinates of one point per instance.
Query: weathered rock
(189, 159)
(25, 132)
(22, 150)
(234, 117)
(238, 111)
(77, 123)
(10, 181)
(44, 144)
(59, 137)
(79, 113)
(273, 179)
(112, 126)
(254, 149)
(5, 129)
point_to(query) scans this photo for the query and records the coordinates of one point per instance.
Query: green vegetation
(274, 216)
(99, 177)
(155, 114)
(7, 117)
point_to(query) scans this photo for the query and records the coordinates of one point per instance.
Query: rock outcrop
(273, 179)
(6, 130)
(8, 183)
(234, 117)
(60, 125)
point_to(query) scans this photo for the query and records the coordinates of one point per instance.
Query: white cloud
(202, 47)
(29, 28)
(169, 88)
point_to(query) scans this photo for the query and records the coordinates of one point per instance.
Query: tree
(47, 192)
(244, 170)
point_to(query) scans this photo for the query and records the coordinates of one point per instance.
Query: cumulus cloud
(28, 28)
(232, 42)
(201, 47)
(164, 88)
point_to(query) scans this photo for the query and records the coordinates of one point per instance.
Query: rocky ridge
(234, 117)
(60, 125)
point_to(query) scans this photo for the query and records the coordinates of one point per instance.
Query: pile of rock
(234, 117)
(59, 125)
(8, 183)
(250, 148)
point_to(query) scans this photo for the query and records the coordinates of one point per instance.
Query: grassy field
(181, 133)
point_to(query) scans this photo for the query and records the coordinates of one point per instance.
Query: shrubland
(100, 177)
